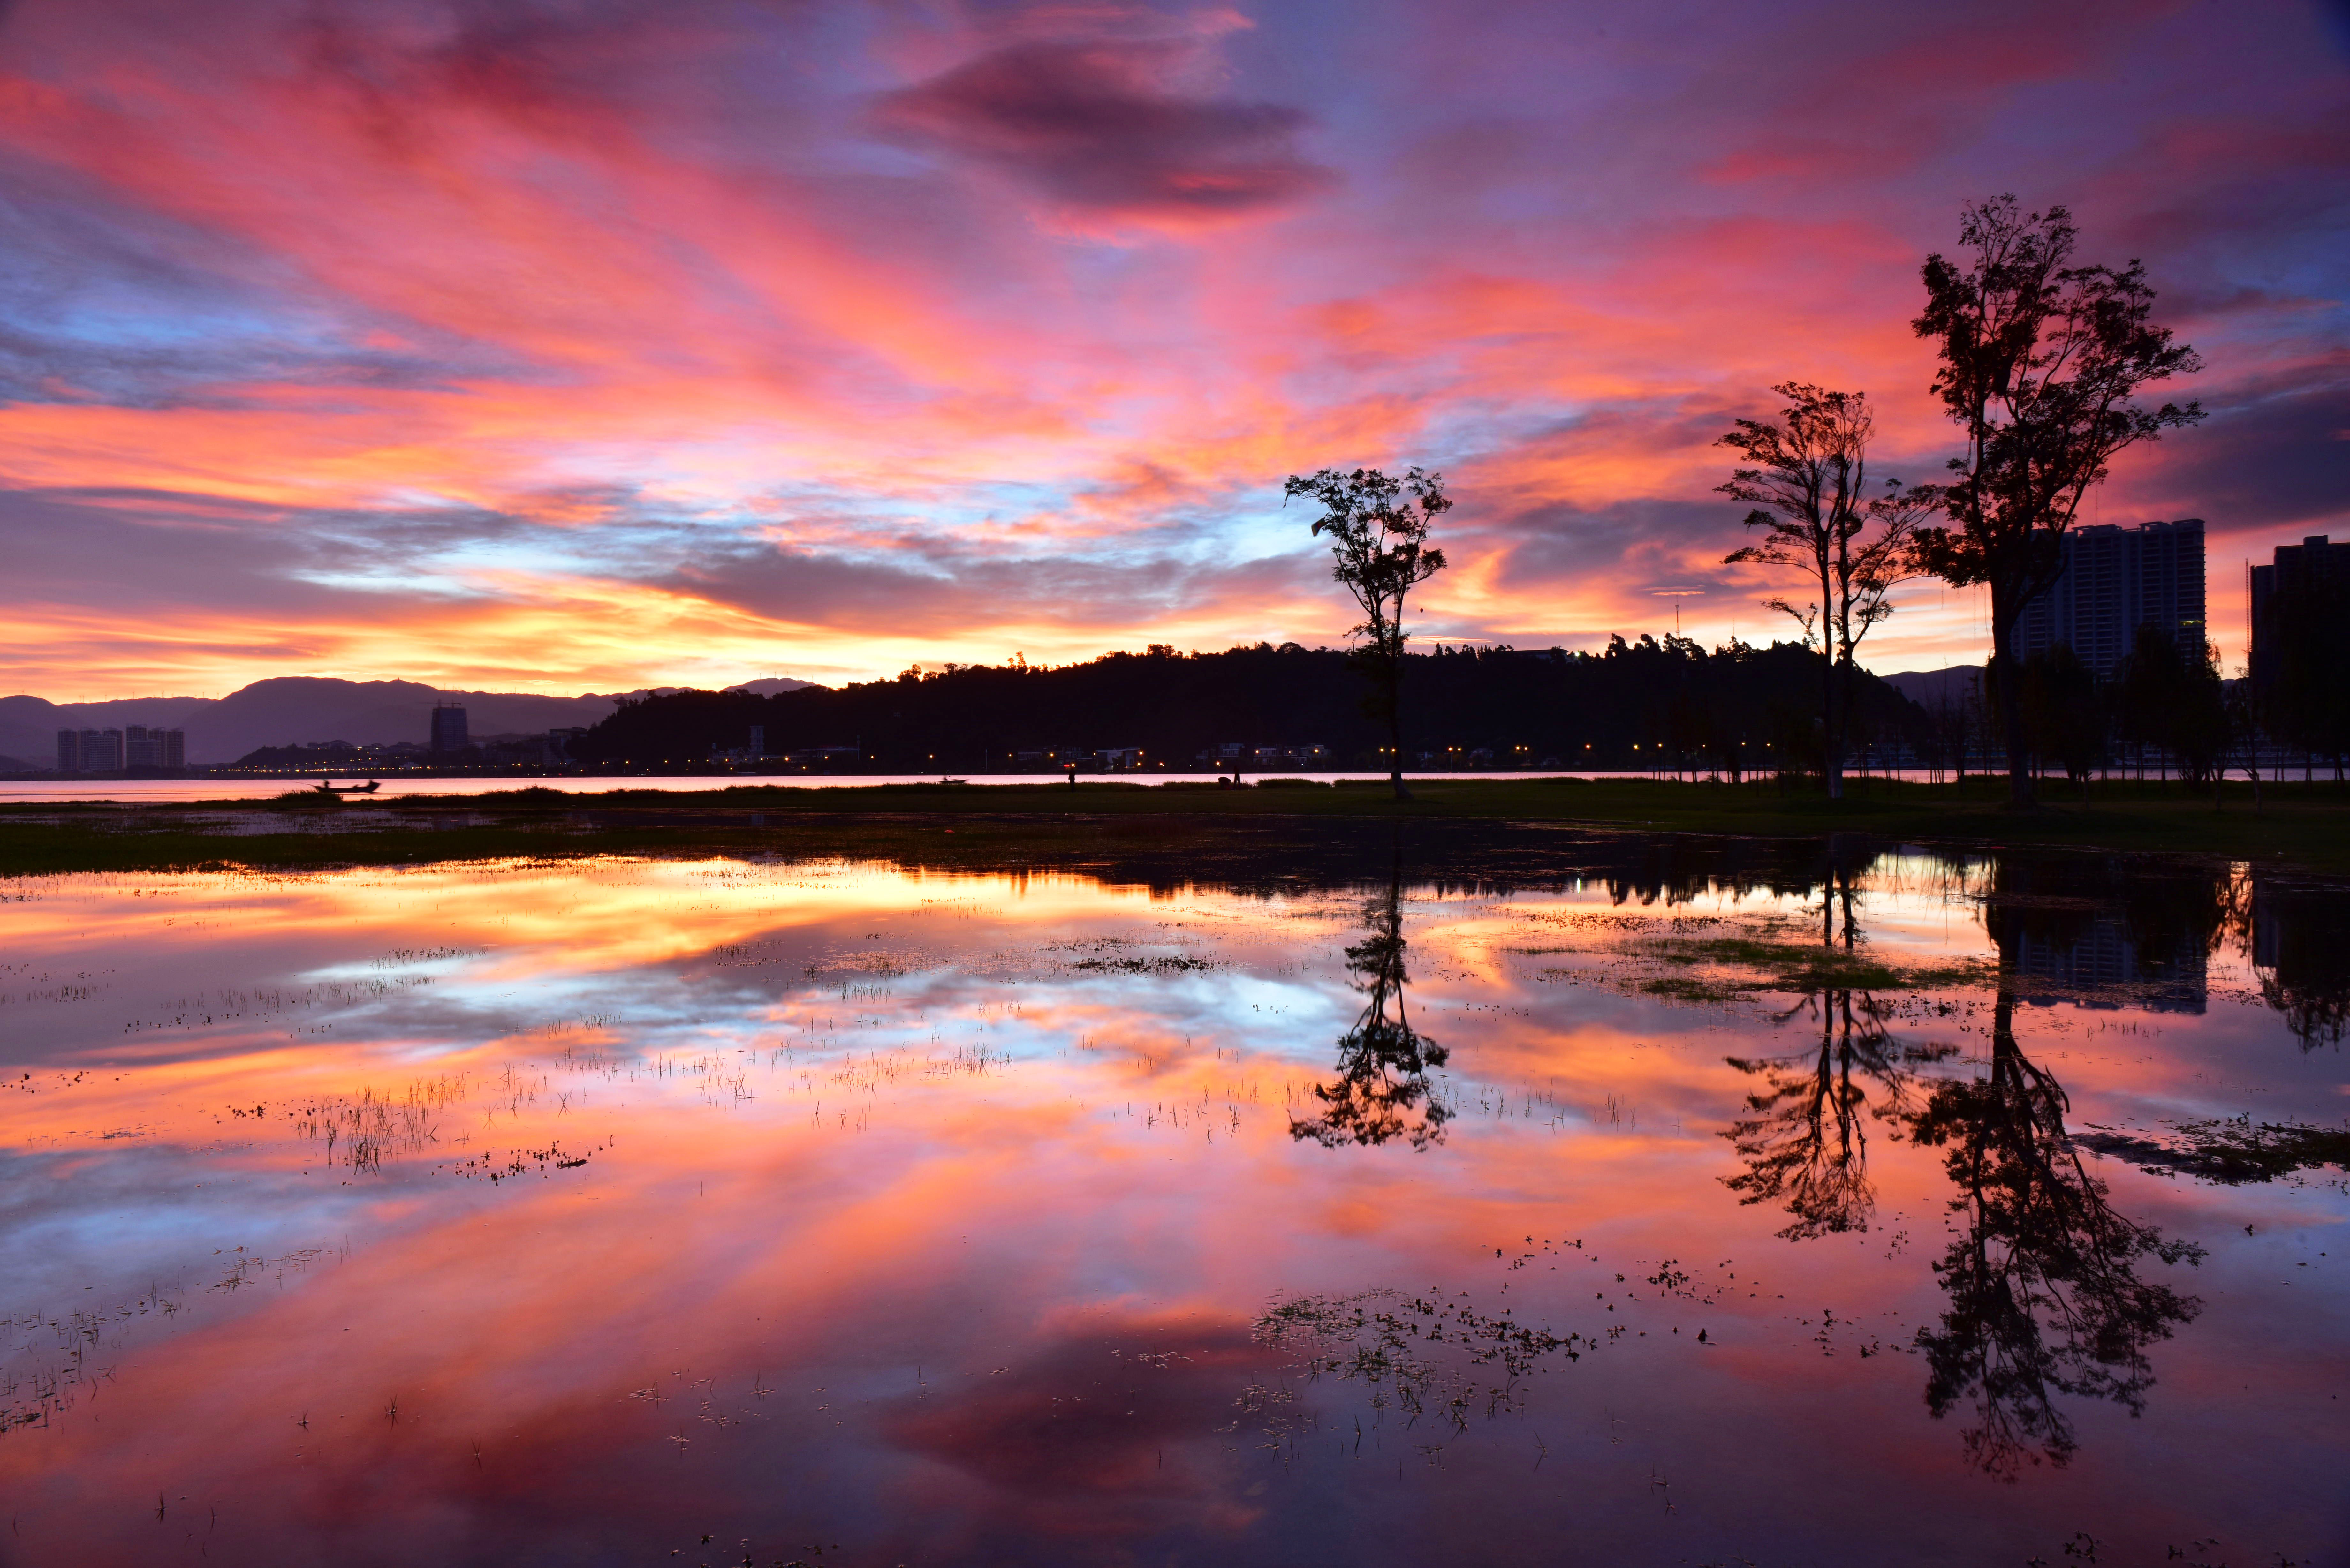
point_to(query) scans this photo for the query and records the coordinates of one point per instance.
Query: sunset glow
(584, 345)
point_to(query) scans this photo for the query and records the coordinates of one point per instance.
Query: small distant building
(1244, 754)
(2115, 580)
(447, 729)
(559, 744)
(2315, 563)
(1082, 759)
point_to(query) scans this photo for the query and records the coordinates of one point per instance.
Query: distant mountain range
(1930, 688)
(292, 710)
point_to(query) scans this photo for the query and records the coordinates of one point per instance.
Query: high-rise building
(2116, 580)
(101, 751)
(447, 729)
(69, 751)
(2316, 562)
(153, 748)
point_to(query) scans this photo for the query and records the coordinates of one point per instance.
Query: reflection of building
(2300, 950)
(2314, 563)
(447, 729)
(2115, 580)
(2108, 959)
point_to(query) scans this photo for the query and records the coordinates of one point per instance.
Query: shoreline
(2301, 825)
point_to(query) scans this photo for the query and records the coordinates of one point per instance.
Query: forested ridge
(1635, 704)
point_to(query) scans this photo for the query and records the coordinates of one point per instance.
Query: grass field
(2303, 825)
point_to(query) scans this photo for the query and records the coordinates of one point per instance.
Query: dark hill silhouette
(1529, 708)
(288, 709)
(1952, 686)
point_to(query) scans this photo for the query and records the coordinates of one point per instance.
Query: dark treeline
(1672, 704)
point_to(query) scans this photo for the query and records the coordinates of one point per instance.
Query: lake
(1438, 1195)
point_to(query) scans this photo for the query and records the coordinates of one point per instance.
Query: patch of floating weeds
(1668, 959)
(520, 1162)
(1423, 1355)
(1164, 964)
(2232, 1152)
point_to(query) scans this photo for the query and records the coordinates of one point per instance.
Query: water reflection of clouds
(862, 1123)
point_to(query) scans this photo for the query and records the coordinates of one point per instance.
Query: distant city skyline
(605, 345)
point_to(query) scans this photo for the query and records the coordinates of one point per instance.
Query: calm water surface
(1557, 1201)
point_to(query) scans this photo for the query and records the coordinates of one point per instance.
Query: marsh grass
(1000, 824)
(1425, 1356)
(1756, 963)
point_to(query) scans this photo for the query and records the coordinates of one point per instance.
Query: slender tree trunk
(1831, 747)
(1395, 724)
(2010, 676)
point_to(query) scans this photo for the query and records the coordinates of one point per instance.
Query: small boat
(329, 786)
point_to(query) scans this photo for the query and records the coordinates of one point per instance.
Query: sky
(586, 345)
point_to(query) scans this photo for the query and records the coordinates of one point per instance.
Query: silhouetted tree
(2064, 718)
(2042, 362)
(1381, 1092)
(1808, 478)
(1378, 542)
(2171, 696)
(2147, 689)
(2239, 729)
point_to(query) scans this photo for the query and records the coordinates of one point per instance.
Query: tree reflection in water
(2043, 1286)
(1381, 1092)
(2044, 1296)
(1805, 1144)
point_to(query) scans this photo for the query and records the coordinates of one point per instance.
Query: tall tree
(2041, 364)
(1806, 476)
(1379, 543)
